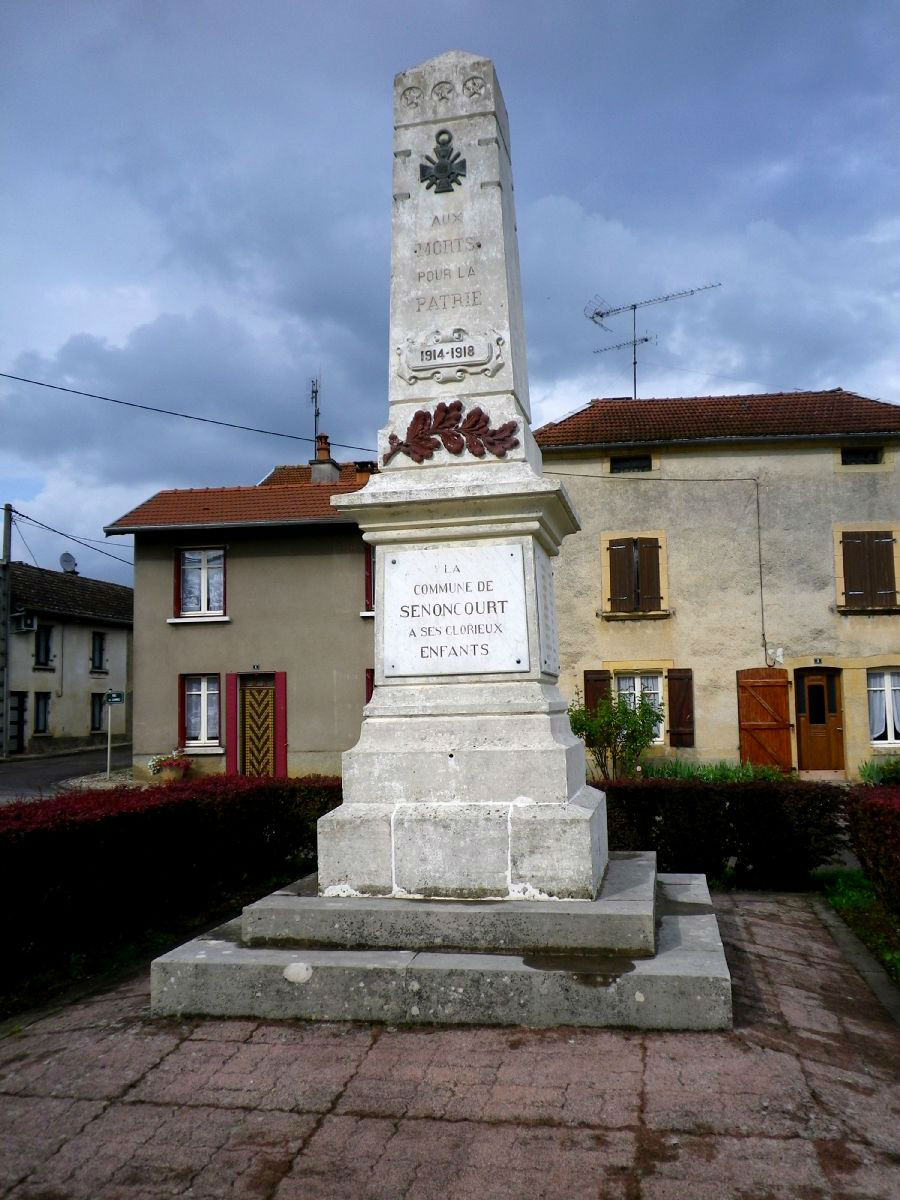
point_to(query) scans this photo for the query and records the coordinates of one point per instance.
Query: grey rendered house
(253, 629)
(69, 642)
(739, 559)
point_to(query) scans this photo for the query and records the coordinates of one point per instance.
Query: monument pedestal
(646, 954)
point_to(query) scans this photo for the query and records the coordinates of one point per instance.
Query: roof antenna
(597, 312)
(314, 401)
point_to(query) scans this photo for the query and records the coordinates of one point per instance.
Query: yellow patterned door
(258, 725)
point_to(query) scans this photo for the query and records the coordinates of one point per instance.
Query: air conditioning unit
(24, 622)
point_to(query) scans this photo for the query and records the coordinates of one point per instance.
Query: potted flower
(169, 767)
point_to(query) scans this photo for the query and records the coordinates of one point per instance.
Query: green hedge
(85, 873)
(873, 817)
(772, 832)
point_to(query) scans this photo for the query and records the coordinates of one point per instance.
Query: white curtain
(877, 705)
(895, 703)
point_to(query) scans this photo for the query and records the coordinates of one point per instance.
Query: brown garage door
(764, 717)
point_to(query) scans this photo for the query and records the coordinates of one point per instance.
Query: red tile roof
(284, 504)
(350, 473)
(621, 421)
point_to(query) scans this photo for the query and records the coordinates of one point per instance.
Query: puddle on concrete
(592, 970)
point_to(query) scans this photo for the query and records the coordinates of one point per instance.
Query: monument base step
(686, 985)
(621, 920)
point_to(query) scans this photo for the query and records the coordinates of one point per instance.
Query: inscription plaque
(456, 610)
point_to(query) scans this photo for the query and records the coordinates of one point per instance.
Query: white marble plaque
(456, 610)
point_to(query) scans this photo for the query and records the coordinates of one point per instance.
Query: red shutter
(370, 683)
(369, 598)
(281, 743)
(232, 696)
(176, 572)
(182, 731)
(621, 575)
(680, 717)
(648, 574)
(597, 686)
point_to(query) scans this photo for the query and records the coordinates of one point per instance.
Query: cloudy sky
(195, 208)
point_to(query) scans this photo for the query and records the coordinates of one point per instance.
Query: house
(253, 622)
(69, 642)
(738, 560)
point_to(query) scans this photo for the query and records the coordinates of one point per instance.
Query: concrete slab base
(621, 920)
(686, 985)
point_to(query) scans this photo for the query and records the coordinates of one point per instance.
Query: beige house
(253, 629)
(739, 559)
(69, 642)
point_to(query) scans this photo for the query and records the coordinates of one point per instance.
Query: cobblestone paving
(799, 1102)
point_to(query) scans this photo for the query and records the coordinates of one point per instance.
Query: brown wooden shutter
(648, 574)
(370, 683)
(680, 716)
(856, 576)
(622, 575)
(597, 685)
(369, 586)
(881, 563)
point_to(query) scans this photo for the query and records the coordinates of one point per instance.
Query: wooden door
(258, 725)
(820, 720)
(764, 717)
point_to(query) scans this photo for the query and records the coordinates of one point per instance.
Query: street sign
(115, 697)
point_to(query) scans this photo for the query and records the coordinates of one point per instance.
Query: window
(868, 569)
(625, 464)
(200, 583)
(98, 651)
(201, 709)
(369, 585)
(884, 706)
(41, 712)
(43, 644)
(98, 704)
(631, 686)
(634, 575)
(861, 456)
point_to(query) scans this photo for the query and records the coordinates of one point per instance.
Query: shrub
(873, 818)
(773, 832)
(85, 871)
(880, 770)
(616, 732)
(717, 772)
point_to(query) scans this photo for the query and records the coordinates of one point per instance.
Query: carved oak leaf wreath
(446, 427)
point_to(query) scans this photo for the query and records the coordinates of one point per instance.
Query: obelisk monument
(467, 781)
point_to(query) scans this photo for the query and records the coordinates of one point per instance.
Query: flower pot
(170, 774)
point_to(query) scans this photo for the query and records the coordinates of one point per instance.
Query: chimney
(323, 468)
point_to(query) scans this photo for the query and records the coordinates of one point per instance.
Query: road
(40, 776)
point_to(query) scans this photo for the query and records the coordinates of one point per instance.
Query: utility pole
(5, 555)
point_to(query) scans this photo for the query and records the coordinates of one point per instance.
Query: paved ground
(800, 1102)
(32, 777)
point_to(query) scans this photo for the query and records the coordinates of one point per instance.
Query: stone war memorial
(465, 878)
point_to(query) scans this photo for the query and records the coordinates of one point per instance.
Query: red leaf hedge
(873, 817)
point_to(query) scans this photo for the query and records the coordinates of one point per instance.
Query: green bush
(877, 771)
(770, 833)
(616, 732)
(717, 772)
(85, 873)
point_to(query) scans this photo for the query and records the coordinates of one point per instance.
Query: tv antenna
(597, 311)
(314, 401)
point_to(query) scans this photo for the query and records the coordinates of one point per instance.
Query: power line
(71, 537)
(18, 528)
(172, 413)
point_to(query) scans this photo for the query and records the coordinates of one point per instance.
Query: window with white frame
(201, 710)
(202, 588)
(650, 683)
(884, 706)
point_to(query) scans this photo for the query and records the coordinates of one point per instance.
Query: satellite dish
(68, 563)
